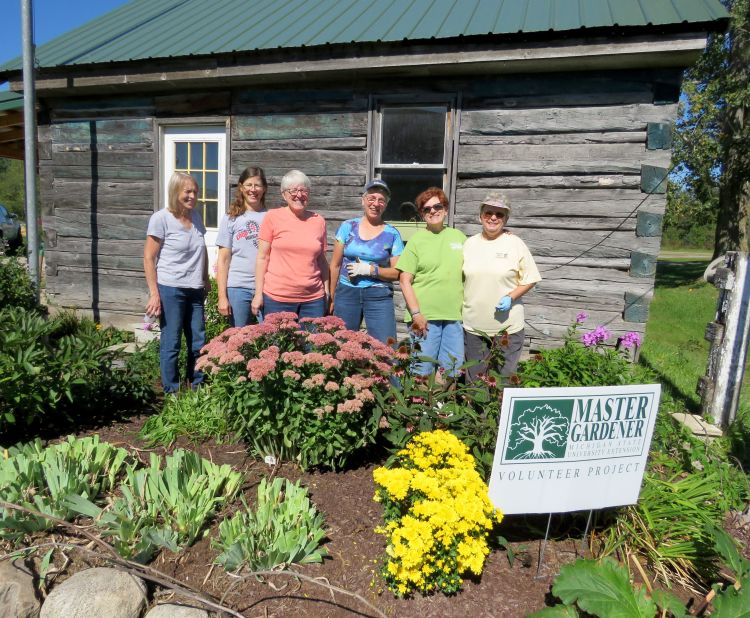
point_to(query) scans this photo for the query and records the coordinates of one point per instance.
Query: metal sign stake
(586, 531)
(543, 547)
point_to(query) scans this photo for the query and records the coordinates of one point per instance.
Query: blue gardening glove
(504, 304)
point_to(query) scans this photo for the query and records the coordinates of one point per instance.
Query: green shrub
(42, 478)
(299, 390)
(470, 412)
(16, 288)
(284, 528)
(162, 507)
(667, 527)
(215, 322)
(579, 362)
(197, 414)
(603, 589)
(63, 366)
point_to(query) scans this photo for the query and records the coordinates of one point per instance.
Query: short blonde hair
(176, 182)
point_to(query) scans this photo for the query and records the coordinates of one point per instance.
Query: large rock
(17, 592)
(171, 610)
(97, 593)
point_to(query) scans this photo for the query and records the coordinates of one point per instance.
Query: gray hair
(294, 178)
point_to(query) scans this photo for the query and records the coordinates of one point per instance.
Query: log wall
(581, 156)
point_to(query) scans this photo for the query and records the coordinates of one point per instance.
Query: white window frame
(217, 134)
(208, 130)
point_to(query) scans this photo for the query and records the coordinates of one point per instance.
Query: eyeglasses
(375, 199)
(298, 191)
(252, 187)
(489, 214)
(426, 209)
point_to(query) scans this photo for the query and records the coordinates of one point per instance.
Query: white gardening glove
(358, 269)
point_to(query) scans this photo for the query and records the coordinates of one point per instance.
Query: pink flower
(328, 323)
(359, 382)
(630, 339)
(595, 337)
(259, 368)
(295, 358)
(315, 380)
(365, 395)
(321, 339)
(290, 374)
(331, 386)
(582, 317)
(350, 405)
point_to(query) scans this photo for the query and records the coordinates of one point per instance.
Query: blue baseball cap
(377, 183)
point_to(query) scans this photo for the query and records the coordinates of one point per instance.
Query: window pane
(405, 185)
(212, 156)
(211, 214)
(413, 135)
(211, 187)
(181, 155)
(196, 155)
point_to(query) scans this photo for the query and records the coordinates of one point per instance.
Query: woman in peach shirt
(291, 271)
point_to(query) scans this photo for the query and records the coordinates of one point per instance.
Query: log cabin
(567, 106)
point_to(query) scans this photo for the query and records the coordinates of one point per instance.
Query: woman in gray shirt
(238, 247)
(176, 266)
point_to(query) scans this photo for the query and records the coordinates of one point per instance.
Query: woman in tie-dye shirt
(363, 267)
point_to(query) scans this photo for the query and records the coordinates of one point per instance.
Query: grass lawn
(674, 345)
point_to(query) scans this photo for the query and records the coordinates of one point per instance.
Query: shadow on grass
(680, 398)
(676, 273)
(739, 438)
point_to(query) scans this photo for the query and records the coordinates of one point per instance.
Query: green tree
(711, 132)
(11, 186)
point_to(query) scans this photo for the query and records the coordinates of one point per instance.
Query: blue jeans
(240, 299)
(443, 343)
(375, 303)
(309, 309)
(181, 311)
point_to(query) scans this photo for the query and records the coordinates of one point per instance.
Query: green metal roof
(10, 101)
(145, 29)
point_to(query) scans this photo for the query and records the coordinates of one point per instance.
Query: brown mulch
(355, 552)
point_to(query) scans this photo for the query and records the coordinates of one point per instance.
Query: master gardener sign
(572, 449)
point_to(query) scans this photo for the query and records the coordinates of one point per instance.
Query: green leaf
(44, 565)
(667, 601)
(603, 589)
(733, 604)
(558, 611)
(726, 547)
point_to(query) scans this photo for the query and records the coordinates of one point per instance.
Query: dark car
(10, 229)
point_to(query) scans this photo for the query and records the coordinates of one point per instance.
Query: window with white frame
(200, 152)
(412, 151)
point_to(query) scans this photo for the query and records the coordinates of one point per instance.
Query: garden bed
(355, 550)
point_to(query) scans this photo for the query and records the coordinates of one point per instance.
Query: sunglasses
(489, 214)
(436, 207)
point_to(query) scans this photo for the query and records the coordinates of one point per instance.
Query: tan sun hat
(496, 200)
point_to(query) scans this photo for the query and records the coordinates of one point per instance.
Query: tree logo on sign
(538, 432)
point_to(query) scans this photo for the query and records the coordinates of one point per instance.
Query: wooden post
(728, 333)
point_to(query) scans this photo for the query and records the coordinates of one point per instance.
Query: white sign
(572, 449)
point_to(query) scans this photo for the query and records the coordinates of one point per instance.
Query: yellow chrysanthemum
(446, 509)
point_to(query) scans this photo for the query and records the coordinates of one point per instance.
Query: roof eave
(467, 55)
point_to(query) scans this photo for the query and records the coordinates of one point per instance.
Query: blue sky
(51, 18)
